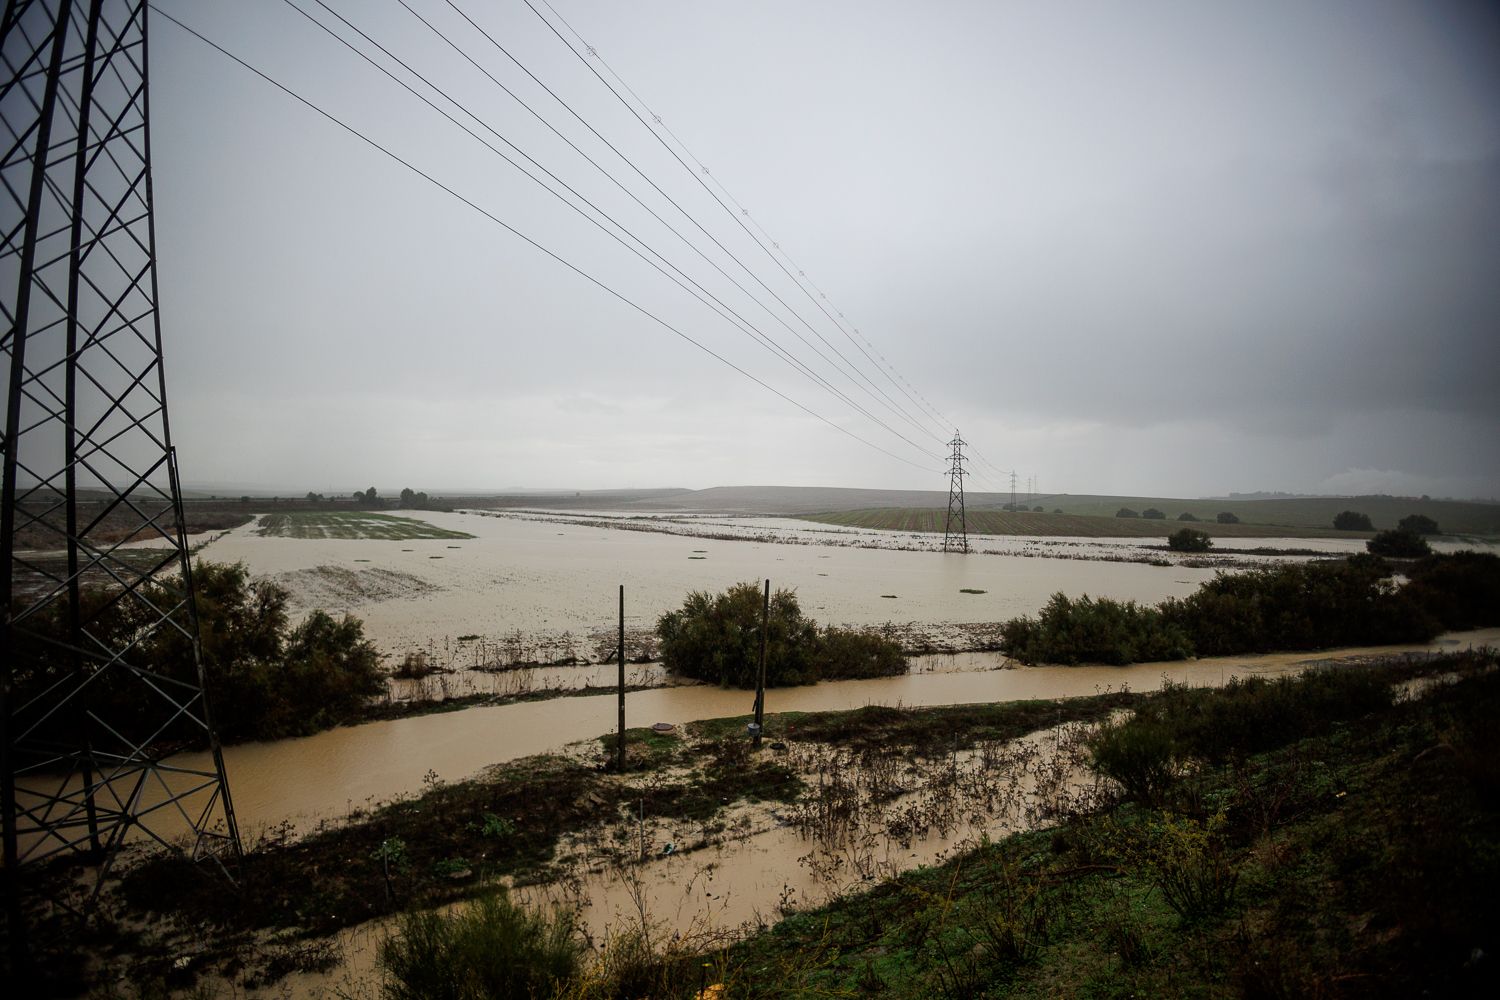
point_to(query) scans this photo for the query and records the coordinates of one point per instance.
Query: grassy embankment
(1094, 517)
(1350, 850)
(351, 524)
(1307, 836)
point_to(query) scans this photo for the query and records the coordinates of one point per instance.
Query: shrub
(492, 948)
(1252, 715)
(1225, 517)
(1352, 520)
(1189, 540)
(264, 679)
(1351, 602)
(1418, 524)
(1152, 514)
(1093, 631)
(1190, 863)
(1460, 589)
(1139, 754)
(1126, 512)
(1309, 606)
(1399, 544)
(716, 638)
(848, 653)
(1187, 515)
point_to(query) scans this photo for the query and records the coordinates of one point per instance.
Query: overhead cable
(598, 283)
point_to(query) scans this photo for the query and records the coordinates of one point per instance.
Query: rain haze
(1157, 248)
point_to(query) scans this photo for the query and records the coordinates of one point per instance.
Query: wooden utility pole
(760, 684)
(620, 761)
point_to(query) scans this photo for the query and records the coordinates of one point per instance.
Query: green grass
(350, 524)
(1354, 859)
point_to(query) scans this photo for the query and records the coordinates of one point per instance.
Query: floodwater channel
(326, 775)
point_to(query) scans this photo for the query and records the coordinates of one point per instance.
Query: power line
(528, 240)
(611, 177)
(752, 331)
(738, 219)
(924, 406)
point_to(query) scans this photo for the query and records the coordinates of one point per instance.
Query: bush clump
(1251, 715)
(1418, 524)
(1126, 512)
(1189, 540)
(492, 948)
(266, 678)
(1187, 515)
(1140, 755)
(1152, 514)
(1225, 517)
(1398, 543)
(1087, 630)
(716, 638)
(1460, 589)
(1352, 520)
(1351, 602)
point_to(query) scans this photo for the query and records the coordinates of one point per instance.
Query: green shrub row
(1352, 602)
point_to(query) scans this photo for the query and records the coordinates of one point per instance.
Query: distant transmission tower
(1013, 489)
(91, 719)
(958, 540)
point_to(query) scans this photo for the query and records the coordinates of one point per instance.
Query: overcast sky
(1163, 248)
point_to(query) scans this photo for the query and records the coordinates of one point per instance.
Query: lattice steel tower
(103, 688)
(958, 540)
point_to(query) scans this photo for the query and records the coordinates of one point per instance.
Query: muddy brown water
(551, 580)
(326, 775)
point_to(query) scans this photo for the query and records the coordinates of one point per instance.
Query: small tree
(1152, 514)
(1189, 540)
(1126, 512)
(1352, 520)
(716, 638)
(1187, 515)
(1399, 544)
(1225, 517)
(1418, 524)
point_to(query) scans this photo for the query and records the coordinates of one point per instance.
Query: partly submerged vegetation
(718, 637)
(1284, 837)
(351, 524)
(1350, 602)
(1352, 856)
(1330, 840)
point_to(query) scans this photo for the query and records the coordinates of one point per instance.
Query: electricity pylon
(93, 720)
(956, 540)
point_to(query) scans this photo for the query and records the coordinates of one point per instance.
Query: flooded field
(547, 583)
